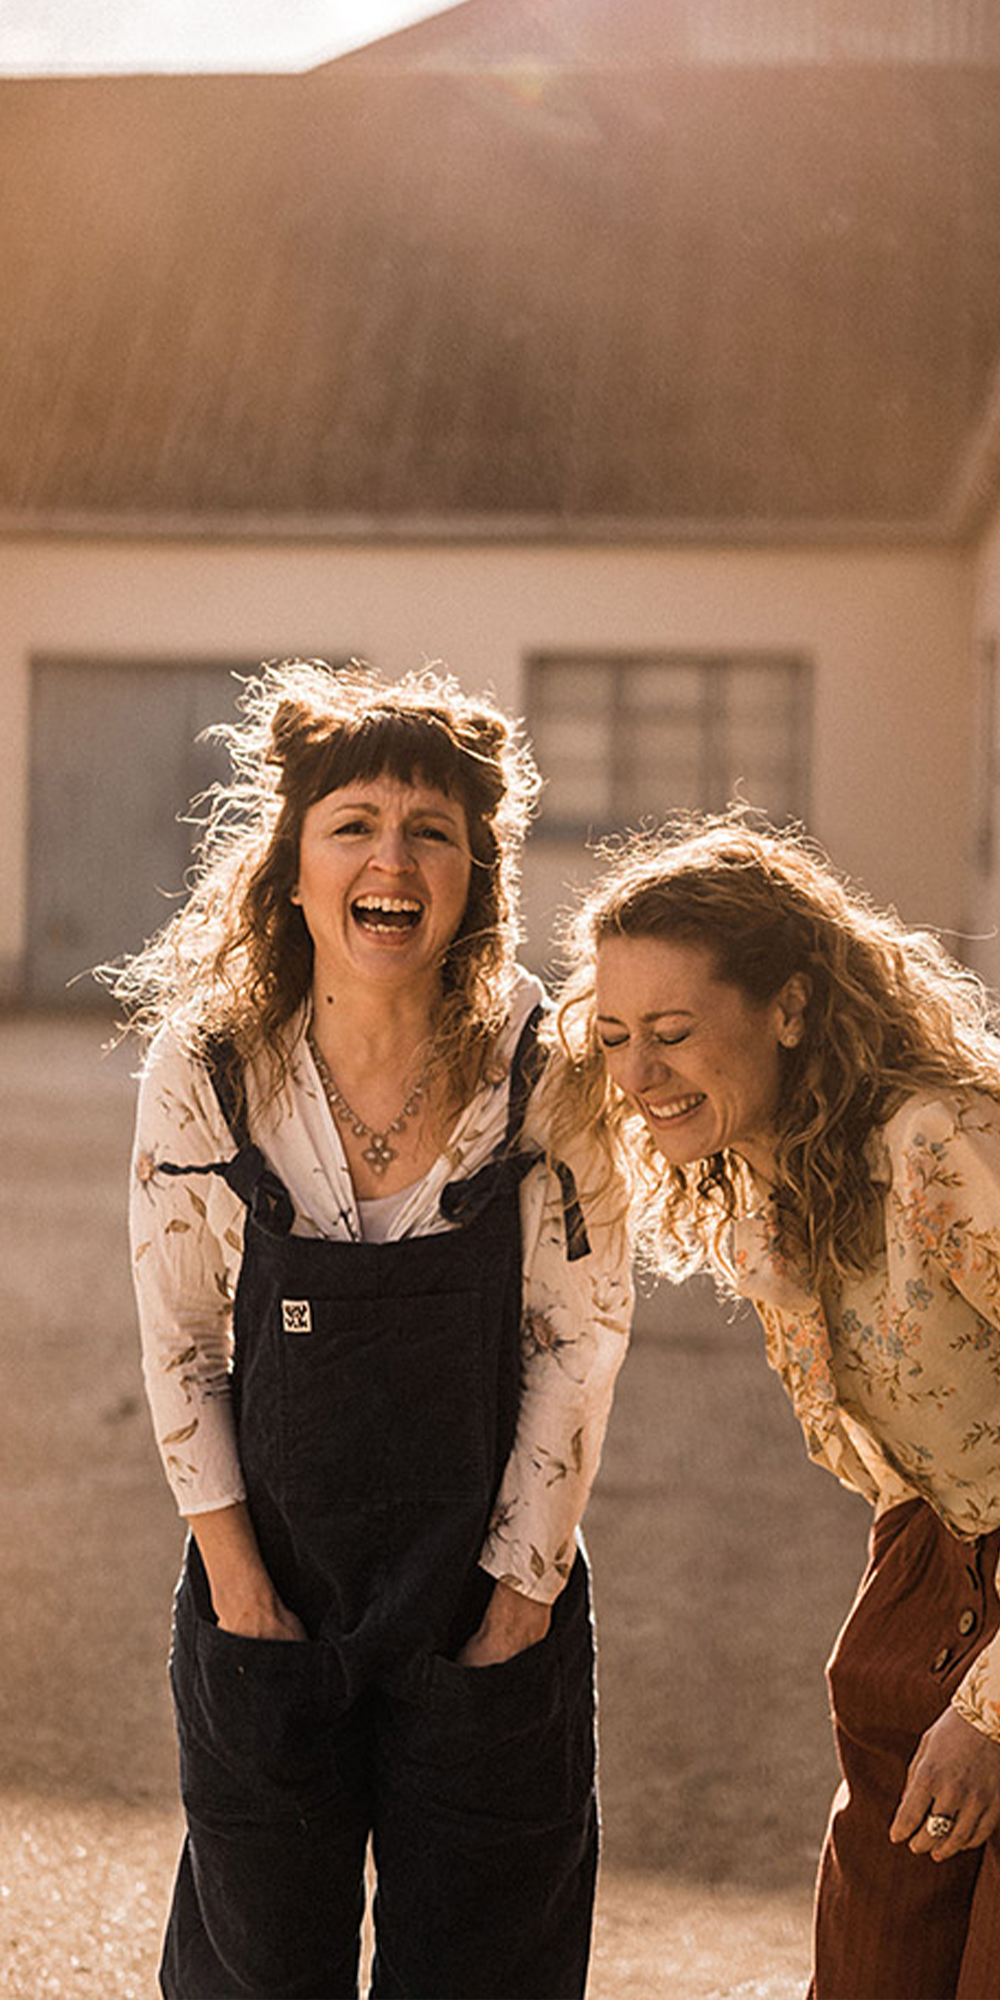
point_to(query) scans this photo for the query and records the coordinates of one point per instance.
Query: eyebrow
(445, 811)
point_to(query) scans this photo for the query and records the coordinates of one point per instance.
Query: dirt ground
(722, 1564)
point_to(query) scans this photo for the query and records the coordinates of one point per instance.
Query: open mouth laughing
(383, 916)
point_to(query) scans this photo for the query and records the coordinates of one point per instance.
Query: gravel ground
(722, 1565)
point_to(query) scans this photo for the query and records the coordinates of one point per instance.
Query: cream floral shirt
(896, 1377)
(187, 1239)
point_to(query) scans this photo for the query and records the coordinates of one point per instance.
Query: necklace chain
(379, 1153)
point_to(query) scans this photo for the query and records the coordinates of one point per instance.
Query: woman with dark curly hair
(806, 1100)
(380, 1340)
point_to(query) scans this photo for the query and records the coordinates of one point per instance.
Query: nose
(638, 1067)
(392, 851)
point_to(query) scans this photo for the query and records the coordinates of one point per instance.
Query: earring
(791, 1038)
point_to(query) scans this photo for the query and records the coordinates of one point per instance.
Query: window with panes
(627, 739)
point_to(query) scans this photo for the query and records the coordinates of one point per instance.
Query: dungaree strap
(218, 1061)
(526, 1065)
(461, 1200)
(247, 1173)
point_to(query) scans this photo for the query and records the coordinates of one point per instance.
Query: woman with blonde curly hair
(380, 1340)
(805, 1099)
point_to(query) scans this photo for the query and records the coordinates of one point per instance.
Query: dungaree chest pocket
(384, 1401)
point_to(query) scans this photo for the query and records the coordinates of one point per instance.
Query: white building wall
(984, 657)
(888, 634)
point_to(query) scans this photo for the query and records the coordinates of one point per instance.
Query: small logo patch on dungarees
(296, 1316)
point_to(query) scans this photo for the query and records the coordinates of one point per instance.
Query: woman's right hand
(263, 1620)
(244, 1599)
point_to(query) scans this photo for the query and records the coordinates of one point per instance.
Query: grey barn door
(113, 763)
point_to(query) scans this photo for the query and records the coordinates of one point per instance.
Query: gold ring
(938, 1824)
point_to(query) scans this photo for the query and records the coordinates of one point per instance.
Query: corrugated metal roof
(682, 298)
(588, 33)
(855, 31)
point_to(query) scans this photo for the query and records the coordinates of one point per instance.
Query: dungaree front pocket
(250, 1716)
(380, 1404)
(270, 1888)
(513, 1741)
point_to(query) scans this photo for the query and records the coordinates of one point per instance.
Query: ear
(295, 895)
(790, 1005)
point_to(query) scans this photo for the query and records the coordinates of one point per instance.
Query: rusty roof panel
(692, 293)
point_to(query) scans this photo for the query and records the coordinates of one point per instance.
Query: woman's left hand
(956, 1772)
(511, 1623)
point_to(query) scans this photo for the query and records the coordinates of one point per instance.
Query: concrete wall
(888, 634)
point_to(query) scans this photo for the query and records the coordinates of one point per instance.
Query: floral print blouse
(187, 1237)
(895, 1377)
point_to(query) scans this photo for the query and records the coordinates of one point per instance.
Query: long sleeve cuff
(977, 1699)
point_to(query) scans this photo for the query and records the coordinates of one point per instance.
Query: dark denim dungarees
(376, 1389)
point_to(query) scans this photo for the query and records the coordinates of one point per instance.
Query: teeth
(387, 903)
(677, 1107)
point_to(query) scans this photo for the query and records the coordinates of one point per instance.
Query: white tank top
(379, 1214)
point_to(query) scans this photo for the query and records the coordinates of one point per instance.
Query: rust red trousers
(891, 1925)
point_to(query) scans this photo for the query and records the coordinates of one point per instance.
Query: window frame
(715, 666)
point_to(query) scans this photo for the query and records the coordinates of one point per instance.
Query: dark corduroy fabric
(377, 1388)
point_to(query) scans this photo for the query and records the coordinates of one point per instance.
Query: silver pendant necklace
(379, 1153)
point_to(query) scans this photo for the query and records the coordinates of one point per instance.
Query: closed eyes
(661, 1041)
